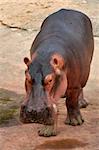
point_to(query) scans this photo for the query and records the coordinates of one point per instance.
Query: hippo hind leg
(83, 103)
(73, 111)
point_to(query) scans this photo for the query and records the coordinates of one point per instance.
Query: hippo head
(45, 83)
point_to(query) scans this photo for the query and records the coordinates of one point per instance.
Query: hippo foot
(74, 120)
(47, 131)
(83, 103)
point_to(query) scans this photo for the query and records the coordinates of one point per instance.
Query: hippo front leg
(83, 103)
(50, 130)
(73, 111)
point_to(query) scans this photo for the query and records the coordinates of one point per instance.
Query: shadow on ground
(9, 108)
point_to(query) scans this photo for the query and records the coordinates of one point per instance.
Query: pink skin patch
(61, 89)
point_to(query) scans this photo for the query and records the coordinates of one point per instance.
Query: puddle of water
(61, 144)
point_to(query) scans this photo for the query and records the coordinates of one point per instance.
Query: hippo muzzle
(36, 109)
(43, 117)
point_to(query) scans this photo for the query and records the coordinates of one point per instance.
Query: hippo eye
(48, 79)
(33, 80)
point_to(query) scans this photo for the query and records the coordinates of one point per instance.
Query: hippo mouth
(42, 117)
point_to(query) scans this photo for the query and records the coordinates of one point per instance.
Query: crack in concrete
(12, 27)
(24, 29)
(96, 36)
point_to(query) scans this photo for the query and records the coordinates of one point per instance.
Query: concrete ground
(19, 24)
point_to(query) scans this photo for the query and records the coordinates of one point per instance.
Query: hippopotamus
(59, 66)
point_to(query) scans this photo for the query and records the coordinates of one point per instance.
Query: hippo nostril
(34, 113)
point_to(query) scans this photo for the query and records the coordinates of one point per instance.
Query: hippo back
(69, 33)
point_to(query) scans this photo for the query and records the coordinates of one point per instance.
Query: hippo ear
(27, 61)
(57, 62)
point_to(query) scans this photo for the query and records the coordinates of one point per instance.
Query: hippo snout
(43, 116)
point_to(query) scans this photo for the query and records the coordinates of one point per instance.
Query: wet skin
(59, 67)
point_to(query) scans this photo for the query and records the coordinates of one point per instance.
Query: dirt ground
(19, 24)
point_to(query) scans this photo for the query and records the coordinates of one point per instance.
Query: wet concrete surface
(61, 144)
